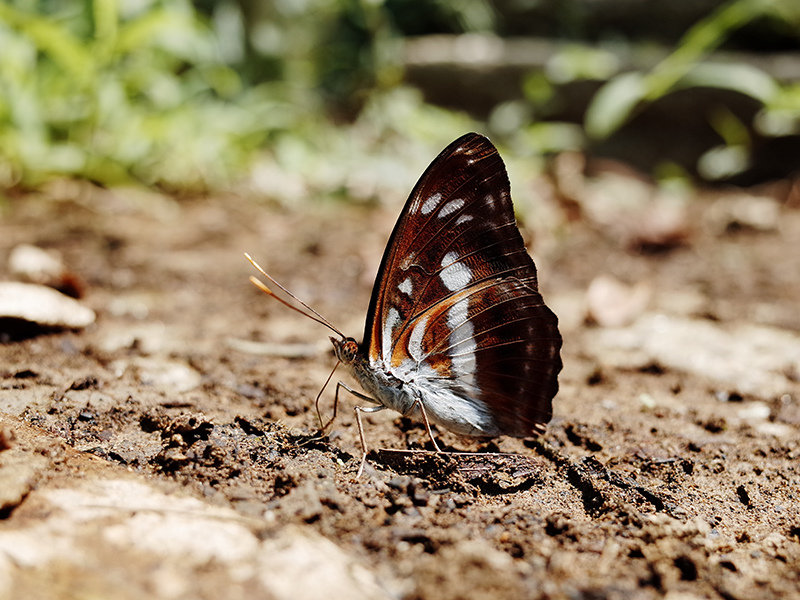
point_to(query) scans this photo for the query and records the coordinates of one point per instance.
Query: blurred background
(296, 99)
(653, 149)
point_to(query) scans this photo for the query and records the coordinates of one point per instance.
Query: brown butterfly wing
(458, 290)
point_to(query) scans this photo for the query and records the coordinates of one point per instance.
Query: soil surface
(169, 450)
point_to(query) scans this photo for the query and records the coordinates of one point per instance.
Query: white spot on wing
(451, 207)
(392, 320)
(406, 286)
(431, 203)
(458, 314)
(454, 275)
(462, 341)
(489, 201)
(449, 258)
(463, 219)
(415, 339)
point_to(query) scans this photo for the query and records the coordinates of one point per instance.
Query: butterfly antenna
(314, 316)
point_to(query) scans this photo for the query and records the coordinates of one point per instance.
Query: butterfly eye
(345, 349)
(349, 350)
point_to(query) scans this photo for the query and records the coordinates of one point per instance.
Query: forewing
(457, 238)
(458, 215)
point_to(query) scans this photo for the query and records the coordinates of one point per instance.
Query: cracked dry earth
(167, 451)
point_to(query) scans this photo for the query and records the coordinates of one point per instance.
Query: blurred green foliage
(189, 95)
(182, 95)
(118, 92)
(626, 93)
(684, 68)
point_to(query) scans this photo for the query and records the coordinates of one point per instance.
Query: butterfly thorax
(384, 388)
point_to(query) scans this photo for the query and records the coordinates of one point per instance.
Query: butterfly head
(346, 349)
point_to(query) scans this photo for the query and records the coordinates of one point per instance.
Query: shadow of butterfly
(457, 333)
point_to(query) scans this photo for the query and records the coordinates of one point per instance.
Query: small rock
(35, 264)
(46, 267)
(43, 306)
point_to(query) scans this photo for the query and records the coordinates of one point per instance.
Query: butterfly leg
(427, 424)
(359, 410)
(323, 427)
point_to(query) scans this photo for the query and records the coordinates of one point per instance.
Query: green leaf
(613, 104)
(106, 20)
(63, 48)
(701, 39)
(172, 29)
(746, 79)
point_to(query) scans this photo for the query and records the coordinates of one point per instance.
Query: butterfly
(457, 333)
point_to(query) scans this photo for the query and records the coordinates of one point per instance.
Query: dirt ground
(168, 450)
